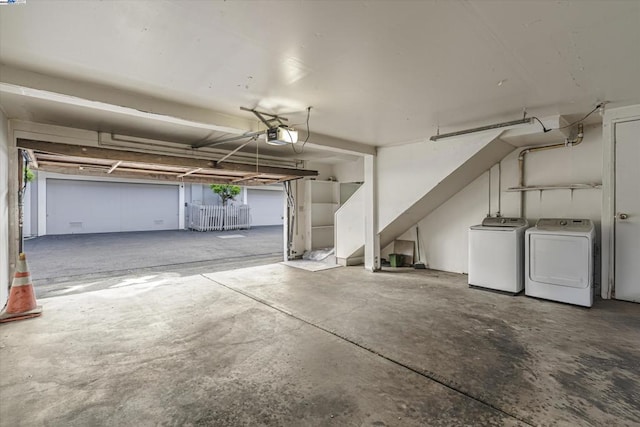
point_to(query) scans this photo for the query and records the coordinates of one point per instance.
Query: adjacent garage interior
(454, 186)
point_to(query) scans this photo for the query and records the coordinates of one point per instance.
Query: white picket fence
(218, 217)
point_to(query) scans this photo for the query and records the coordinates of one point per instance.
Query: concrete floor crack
(432, 376)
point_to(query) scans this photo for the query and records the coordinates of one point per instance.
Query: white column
(5, 270)
(42, 203)
(285, 224)
(245, 199)
(181, 224)
(371, 236)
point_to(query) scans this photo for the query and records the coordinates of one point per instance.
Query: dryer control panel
(568, 224)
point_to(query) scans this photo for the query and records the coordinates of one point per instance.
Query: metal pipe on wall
(568, 143)
(491, 181)
(489, 186)
(499, 213)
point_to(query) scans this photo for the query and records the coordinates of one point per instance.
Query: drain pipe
(568, 143)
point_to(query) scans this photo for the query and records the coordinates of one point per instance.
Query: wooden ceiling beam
(120, 173)
(158, 159)
(49, 164)
(246, 178)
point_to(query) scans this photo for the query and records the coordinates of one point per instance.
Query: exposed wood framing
(157, 176)
(115, 165)
(131, 156)
(182, 175)
(245, 178)
(97, 161)
(32, 159)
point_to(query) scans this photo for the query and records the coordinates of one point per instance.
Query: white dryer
(559, 260)
(496, 254)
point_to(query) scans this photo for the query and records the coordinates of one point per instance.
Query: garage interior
(386, 122)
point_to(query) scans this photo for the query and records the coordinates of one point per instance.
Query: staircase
(413, 180)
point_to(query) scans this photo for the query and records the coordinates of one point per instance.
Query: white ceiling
(375, 72)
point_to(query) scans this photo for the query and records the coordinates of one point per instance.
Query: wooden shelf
(556, 187)
(322, 201)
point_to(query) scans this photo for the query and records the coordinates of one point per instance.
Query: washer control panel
(504, 222)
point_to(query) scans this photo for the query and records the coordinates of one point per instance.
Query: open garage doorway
(91, 219)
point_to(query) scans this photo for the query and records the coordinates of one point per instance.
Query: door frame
(611, 118)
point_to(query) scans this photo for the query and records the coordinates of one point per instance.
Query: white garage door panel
(150, 207)
(102, 207)
(266, 207)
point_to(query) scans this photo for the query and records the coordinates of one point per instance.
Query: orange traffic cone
(22, 299)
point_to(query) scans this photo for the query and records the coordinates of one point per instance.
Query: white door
(627, 202)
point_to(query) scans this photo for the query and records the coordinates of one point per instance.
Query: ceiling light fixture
(525, 121)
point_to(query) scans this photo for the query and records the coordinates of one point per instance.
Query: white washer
(496, 254)
(559, 260)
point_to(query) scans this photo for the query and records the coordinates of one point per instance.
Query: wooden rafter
(115, 166)
(93, 170)
(182, 175)
(245, 178)
(157, 159)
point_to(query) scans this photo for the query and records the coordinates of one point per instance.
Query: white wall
(4, 210)
(352, 171)
(444, 231)
(325, 170)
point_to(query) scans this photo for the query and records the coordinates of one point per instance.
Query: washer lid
(504, 222)
(566, 224)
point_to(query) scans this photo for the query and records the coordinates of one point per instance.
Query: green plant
(29, 176)
(226, 192)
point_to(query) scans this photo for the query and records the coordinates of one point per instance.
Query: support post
(181, 209)
(371, 236)
(42, 203)
(14, 186)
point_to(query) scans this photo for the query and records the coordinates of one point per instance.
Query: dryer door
(560, 260)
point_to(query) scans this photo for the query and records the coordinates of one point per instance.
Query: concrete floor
(275, 345)
(59, 262)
